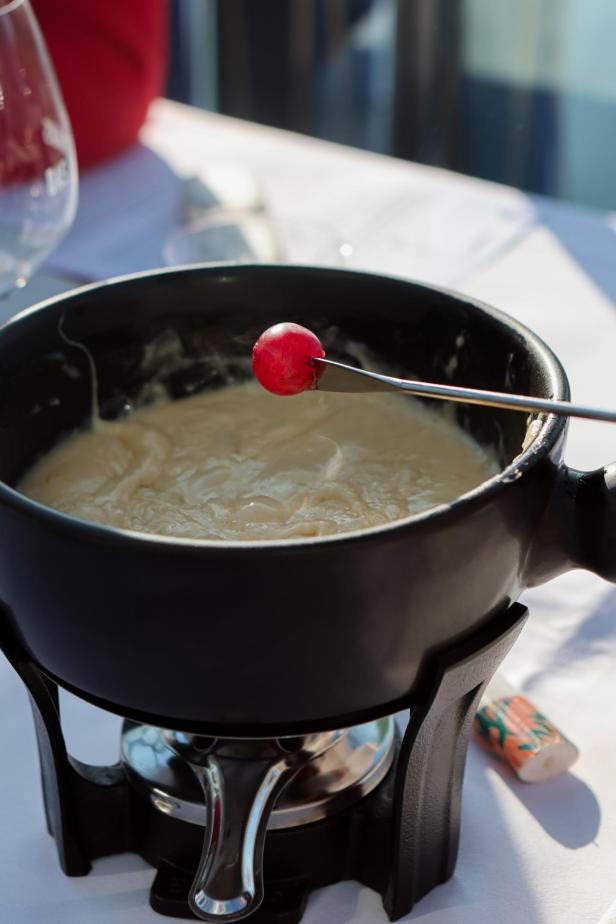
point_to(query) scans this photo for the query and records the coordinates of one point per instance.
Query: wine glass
(38, 166)
(248, 236)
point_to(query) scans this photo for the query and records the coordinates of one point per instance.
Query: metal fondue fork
(338, 377)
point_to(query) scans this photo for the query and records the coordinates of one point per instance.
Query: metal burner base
(354, 843)
(355, 763)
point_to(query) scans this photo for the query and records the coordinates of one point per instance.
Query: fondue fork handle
(338, 377)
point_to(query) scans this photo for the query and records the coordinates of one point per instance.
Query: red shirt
(110, 58)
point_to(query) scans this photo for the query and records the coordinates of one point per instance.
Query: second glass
(254, 237)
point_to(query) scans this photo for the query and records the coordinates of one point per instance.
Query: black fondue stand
(401, 839)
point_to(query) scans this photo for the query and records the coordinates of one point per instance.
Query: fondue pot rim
(552, 426)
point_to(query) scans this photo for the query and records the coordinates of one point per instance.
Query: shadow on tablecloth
(566, 808)
(588, 236)
(593, 637)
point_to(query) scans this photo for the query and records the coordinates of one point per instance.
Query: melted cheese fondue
(239, 463)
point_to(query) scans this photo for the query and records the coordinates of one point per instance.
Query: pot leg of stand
(430, 770)
(55, 767)
(88, 809)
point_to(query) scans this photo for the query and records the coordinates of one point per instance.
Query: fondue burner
(236, 789)
(239, 827)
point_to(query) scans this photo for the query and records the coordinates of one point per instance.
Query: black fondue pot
(258, 639)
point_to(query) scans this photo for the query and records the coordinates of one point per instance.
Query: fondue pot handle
(579, 529)
(595, 505)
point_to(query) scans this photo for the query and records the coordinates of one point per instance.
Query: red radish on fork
(282, 359)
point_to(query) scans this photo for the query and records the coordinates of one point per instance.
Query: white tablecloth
(539, 854)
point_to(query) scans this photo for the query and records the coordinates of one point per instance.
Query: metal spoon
(334, 376)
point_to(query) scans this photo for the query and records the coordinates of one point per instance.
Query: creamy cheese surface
(239, 463)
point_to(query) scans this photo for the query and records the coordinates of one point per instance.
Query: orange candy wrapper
(511, 727)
